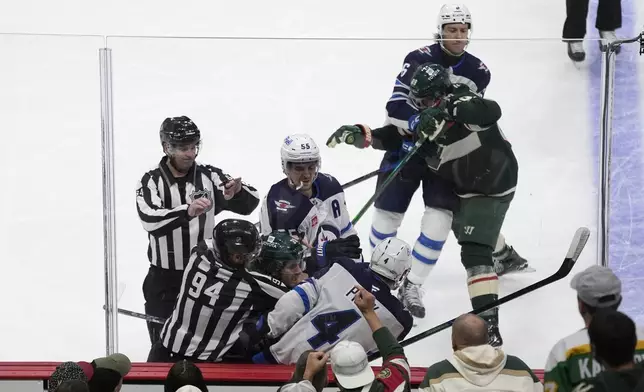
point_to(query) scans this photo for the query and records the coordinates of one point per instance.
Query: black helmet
(179, 130)
(430, 81)
(278, 249)
(236, 236)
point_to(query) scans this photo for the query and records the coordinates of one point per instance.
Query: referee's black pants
(609, 17)
(160, 289)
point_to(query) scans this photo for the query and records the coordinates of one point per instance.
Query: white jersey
(320, 312)
(322, 217)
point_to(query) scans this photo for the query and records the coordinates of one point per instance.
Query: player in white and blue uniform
(310, 204)
(454, 27)
(319, 313)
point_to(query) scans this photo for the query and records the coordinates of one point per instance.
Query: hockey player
(466, 147)
(282, 257)
(454, 28)
(177, 202)
(218, 294)
(310, 204)
(320, 312)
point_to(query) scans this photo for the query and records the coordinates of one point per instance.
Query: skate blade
(526, 270)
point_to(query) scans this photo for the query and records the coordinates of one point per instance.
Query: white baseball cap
(188, 388)
(350, 365)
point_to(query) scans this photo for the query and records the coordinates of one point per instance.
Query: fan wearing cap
(571, 361)
(321, 311)
(218, 294)
(349, 361)
(177, 202)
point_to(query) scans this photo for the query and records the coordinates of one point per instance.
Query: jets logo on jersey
(283, 205)
(203, 194)
(483, 67)
(425, 49)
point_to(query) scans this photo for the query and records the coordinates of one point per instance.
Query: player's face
(292, 274)
(303, 174)
(456, 37)
(183, 156)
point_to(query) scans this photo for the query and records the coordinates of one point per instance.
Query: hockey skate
(606, 38)
(494, 336)
(412, 299)
(508, 261)
(576, 51)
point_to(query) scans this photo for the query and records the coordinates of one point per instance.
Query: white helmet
(453, 13)
(392, 259)
(299, 148)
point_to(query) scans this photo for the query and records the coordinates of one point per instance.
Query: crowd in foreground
(604, 356)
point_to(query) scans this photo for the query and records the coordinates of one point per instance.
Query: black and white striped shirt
(213, 304)
(162, 201)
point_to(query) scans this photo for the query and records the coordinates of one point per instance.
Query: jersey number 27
(330, 325)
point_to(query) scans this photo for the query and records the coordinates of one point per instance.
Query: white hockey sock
(384, 224)
(435, 227)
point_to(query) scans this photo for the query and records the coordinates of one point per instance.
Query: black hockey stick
(146, 317)
(393, 174)
(366, 177)
(577, 245)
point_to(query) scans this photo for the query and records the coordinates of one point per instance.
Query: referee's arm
(157, 220)
(243, 203)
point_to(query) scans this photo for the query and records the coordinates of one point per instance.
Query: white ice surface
(246, 95)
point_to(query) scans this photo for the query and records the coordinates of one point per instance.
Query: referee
(177, 202)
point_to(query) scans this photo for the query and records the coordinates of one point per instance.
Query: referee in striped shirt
(177, 202)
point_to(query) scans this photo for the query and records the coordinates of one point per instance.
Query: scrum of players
(266, 293)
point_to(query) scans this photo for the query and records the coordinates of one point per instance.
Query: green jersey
(570, 362)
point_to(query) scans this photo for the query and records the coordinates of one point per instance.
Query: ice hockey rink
(283, 67)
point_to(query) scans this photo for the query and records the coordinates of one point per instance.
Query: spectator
(73, 386)
(349, 360)
(476, 365)
(109, 373)
(184, 373)
(613, 338)
(188, 388)
(66, 371)
(310, 373)
(609, 18)
(571, 361)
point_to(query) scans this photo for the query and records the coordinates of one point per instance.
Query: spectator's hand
(315, 362)
(232, 187)
(364, 300)
(198, 207)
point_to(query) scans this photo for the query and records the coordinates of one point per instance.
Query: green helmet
(278, 248)
(430, 81)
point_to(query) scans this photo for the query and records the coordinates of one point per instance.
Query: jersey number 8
(330, 325)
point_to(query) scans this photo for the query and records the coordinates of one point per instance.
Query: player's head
(454, 27)
(281, 257)
(180, 139)
(391, 260)
(236, 242)
(301, 161)
(429, 84)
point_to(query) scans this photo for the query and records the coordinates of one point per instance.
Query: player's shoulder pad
(328, 186)
(477, 65)
(281, 193)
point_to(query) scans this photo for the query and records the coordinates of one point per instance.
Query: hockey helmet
(391, 259)
(236, 242)
(279, 250)
(430, 81)
(453, 13)
(179, 131)
(299, 148)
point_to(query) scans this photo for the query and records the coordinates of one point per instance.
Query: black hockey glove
(341, 247)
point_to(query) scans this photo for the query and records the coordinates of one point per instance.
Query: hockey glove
(431, 122)
(461, 94)
(341, 247)
(357, 135)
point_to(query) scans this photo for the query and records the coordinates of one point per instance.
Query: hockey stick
(146, 317)
(394, 173)
(577, 245)
(366, 177)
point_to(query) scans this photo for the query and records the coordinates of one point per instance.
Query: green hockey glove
(357, 135)
(431, 122)
(461, 94)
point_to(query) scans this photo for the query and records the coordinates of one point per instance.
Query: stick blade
(578, 243)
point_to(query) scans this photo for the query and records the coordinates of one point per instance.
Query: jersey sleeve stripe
(347, 228)
(304, 297)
